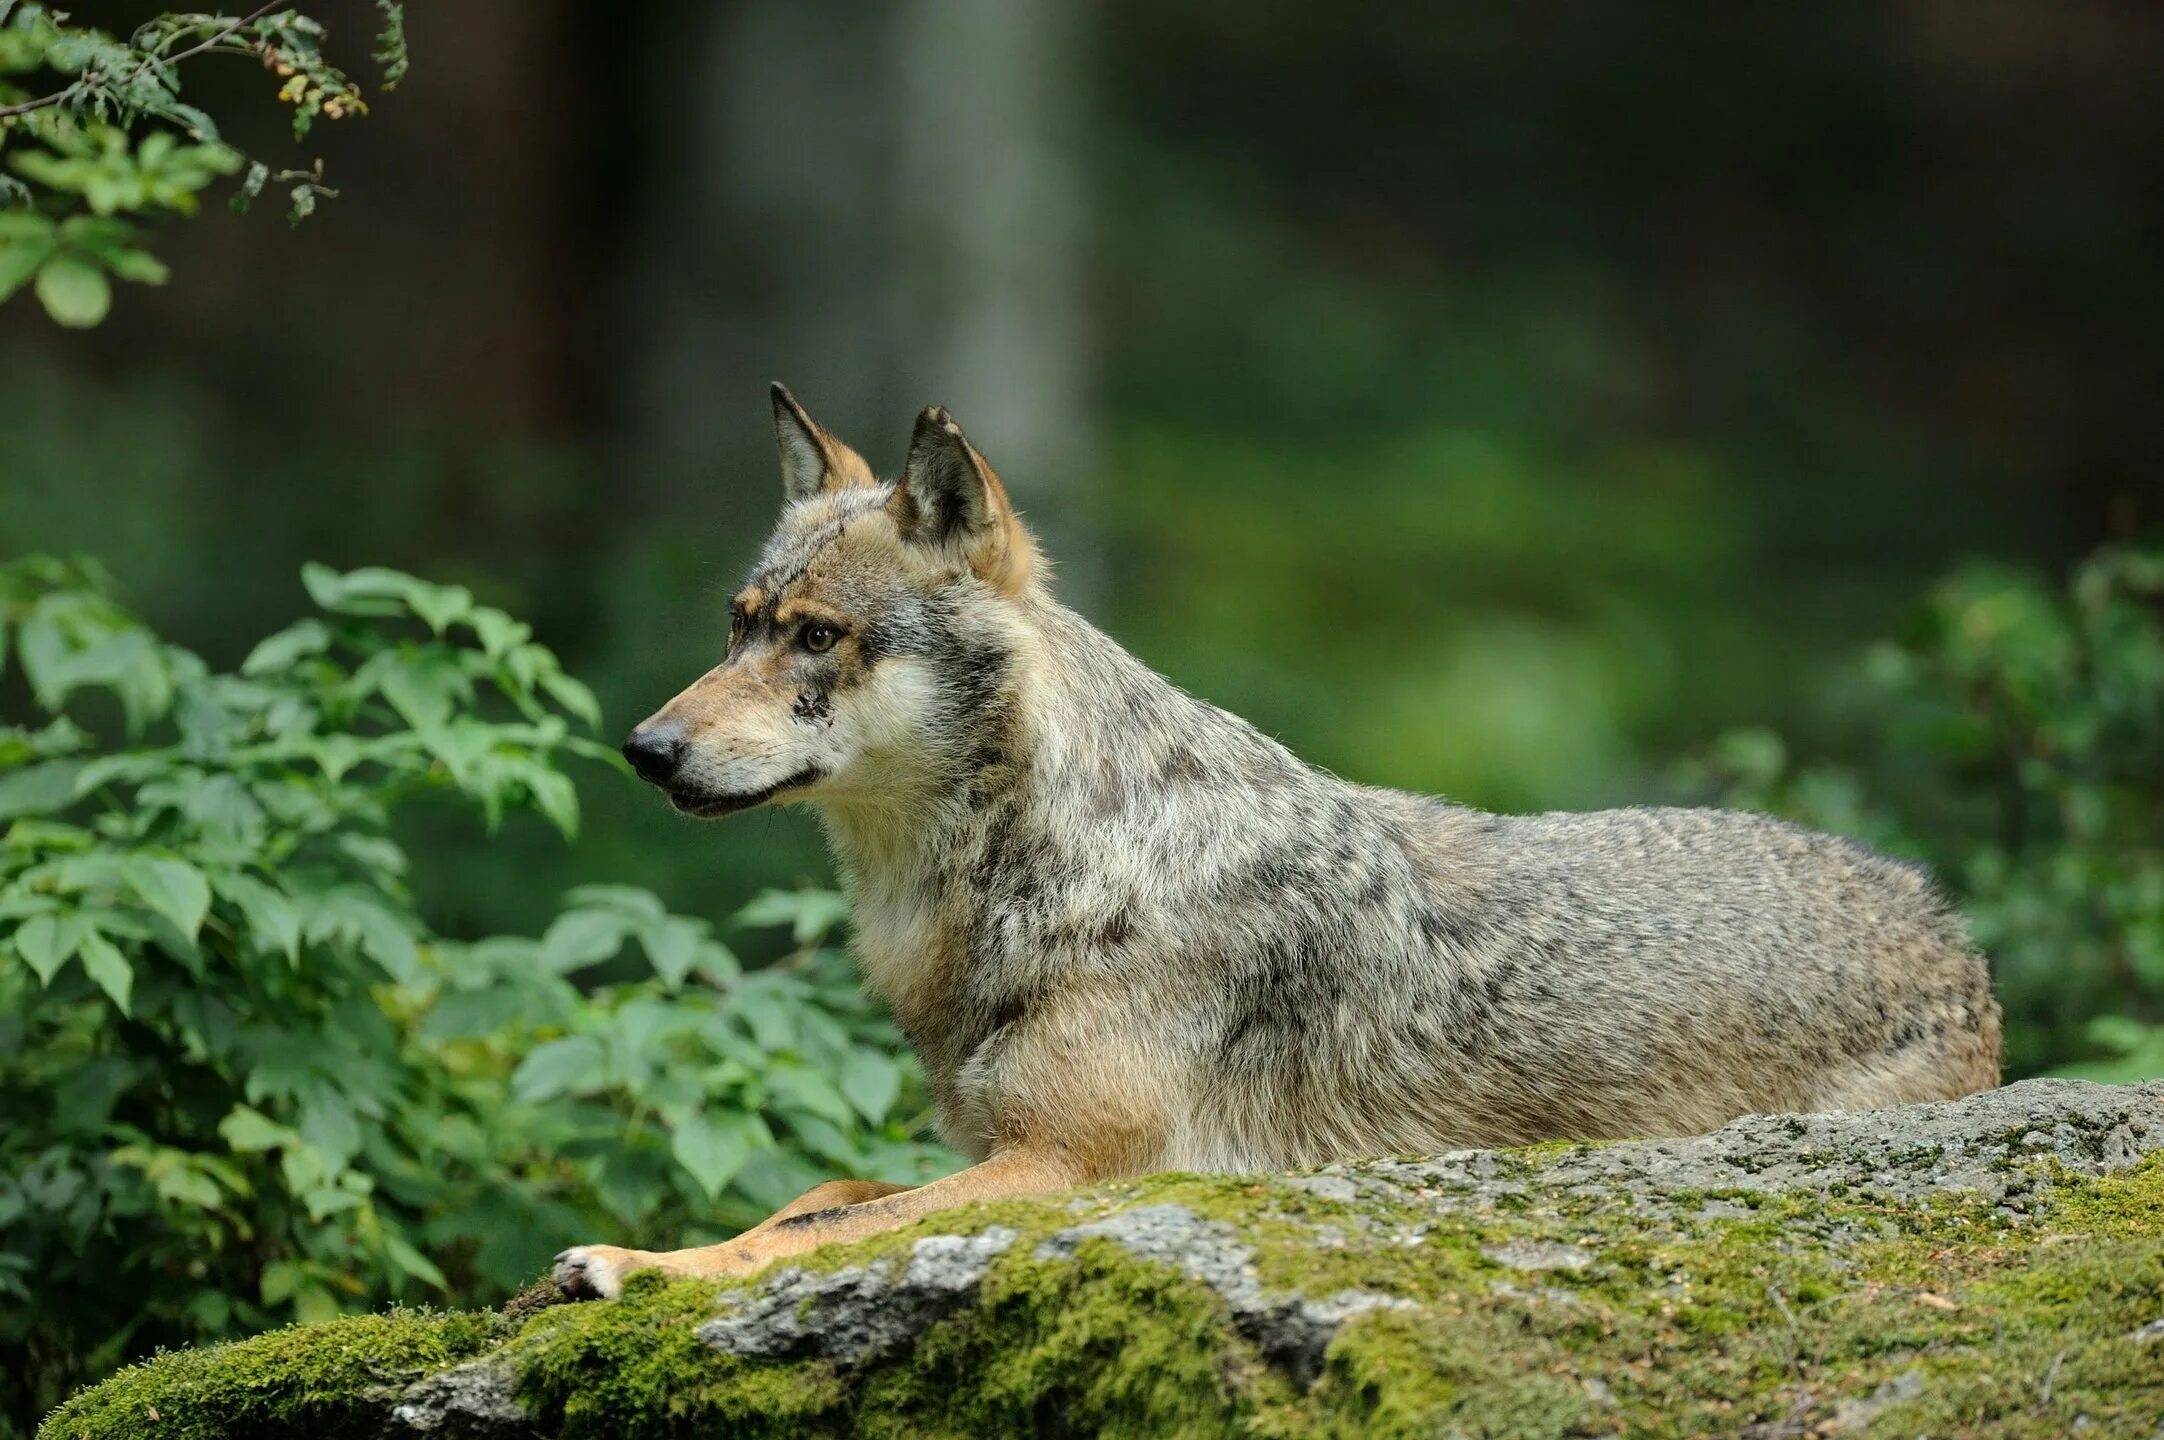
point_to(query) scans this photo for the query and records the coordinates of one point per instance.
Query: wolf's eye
(819, 637)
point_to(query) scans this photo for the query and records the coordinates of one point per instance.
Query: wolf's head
(868, 643)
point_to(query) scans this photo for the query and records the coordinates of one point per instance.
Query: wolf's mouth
(713, 807)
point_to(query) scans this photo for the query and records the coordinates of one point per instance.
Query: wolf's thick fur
(1126, 931)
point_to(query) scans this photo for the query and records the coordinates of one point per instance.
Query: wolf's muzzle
(713, 807)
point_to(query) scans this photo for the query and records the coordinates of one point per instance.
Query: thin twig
(58, 96)
(1795, 1333)
(2051, 1378)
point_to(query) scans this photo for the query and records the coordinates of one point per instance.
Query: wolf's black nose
(653, 751)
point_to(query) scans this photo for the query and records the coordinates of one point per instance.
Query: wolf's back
(1619, 973)
(1806, 965)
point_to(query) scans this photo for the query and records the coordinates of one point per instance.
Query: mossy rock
(1988, 1266)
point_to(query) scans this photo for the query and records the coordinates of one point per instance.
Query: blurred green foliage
(2014, 741)
(1483, 406)
(245, 1081)
(96, 140)
(255, 1083)
(1413, 649)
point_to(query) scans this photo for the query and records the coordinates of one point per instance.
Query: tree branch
(58, 96)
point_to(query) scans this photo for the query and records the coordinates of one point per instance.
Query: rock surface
(1987, 1266)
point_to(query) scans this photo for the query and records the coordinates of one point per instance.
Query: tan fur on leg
(832, 1195)
(599, 1270)
(585, 1271)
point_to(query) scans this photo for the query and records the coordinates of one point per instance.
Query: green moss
(2129, 1203)
(1694, 1320)
(324, 1381)
(1105, 1345)
(635, 1367)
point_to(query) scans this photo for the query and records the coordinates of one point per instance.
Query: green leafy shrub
(2014, 740)
(110, 144)
(243, 1080)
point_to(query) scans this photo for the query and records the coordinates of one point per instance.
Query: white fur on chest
(896, 940)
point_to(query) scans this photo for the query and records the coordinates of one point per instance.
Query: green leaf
(379, 853)
(186, 1187)
(46, 941)
(210, 1311)
(324, 585)
(20, 225)
(672, 945)
(20, 904)
(281, 1278)
(554, 795)
(125, 661)
(335, 755)
(172, 888)
(712, 1149)
(871, 1081)
(439, 605)
(314, 1305)
(73, 291)
(412, 1261)
(639, 904)
(20, 256)
(423, 686)
(39, 789)
(579, 938)
(250, 1131)
(370, 590)
(96, 235)
(108, 968)
(140, 266)
(792, 1087)
(718, 963)
(497, 631)
(329, 1125)
(222, 805)
(274, 921)
(573, 696)
(565, 1066)
(381, 932)
(810, 914)
(278, 652)
(829, 1141)
(472, 1013)
(772, 1017)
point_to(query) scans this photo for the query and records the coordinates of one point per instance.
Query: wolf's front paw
(596, 1272)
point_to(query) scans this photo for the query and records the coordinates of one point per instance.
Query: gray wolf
(1126, 931)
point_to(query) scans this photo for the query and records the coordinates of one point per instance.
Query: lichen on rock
(1987, 1266)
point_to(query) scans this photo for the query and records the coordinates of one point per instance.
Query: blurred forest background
(1505, 403)
(1497, 404)
(1485, 403)
(1493, 404)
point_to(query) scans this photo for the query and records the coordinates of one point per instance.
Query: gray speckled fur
(1070, 875)
(1345, 970)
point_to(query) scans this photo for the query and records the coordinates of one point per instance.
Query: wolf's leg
(590, 1269)
(832, 1195)
(599, 1270)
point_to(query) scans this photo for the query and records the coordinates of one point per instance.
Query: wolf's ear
(950, 499)
(811, 459)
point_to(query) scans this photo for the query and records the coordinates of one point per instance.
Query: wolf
(1126, 931)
